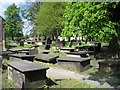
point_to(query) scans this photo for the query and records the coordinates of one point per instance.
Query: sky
(3, 6)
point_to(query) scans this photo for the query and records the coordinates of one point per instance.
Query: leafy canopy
(49, 18)
(13, 21)
(90, 19)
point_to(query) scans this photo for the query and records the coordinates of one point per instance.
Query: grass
(7, 83)
(71, 83)
(67, 83)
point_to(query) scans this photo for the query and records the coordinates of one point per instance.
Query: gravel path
(57, 73)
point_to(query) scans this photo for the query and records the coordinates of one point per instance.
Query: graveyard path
(58, 73)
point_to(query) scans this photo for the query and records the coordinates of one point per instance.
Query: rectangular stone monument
(5, 54)
(67, 49)
(50, 58)
(74, 63)
(27, 74)
(81, 53)
(21, 56)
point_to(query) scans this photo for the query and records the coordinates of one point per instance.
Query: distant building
(2, 34)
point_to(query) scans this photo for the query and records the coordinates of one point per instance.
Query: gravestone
(21, 56)
(48, 58)
(5, 54)
(27, 74)
(109, 66)
(63, 42)
(22, 43)
(48, 42)
(58, 44)
(74, 63)
(98, 44)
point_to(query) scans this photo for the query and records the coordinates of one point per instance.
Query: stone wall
(2, 34)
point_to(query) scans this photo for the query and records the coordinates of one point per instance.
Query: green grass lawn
(71, 83)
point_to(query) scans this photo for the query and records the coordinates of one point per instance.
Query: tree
(49, 19)
(29, 11)
(13, 22)
(99, 20)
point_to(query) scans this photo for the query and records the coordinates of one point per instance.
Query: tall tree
(49, 19)
(92, 19)
(13, 21)
(29, 11)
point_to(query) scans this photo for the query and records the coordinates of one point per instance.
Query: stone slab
(25, 66)
(22, 56)
(27, 74)
(73, 59)
(46, 57)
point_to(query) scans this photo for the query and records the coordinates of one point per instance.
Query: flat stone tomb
(21, 56)
(5, 54)
(109, 66)
(23, 52)
(27, 74)
(15, 50)
(50, 58)
(68, 49)
(75, 63)
(81, 53)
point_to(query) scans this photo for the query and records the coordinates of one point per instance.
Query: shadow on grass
(50, 82)
(112, 79)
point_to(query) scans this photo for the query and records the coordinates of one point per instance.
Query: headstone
(58, 44)
(21, 43)
(63, 42)
(27, 74)
(48, 42)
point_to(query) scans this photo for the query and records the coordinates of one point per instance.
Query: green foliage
(90, 19)
(13, 22)
(49, 19)
(30, 10)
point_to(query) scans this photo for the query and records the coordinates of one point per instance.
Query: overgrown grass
(7, 83)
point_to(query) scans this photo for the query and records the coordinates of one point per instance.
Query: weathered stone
(50, 58)
(27, 74)
(2, 34)
(21, 43)
(21, 56)
(82, 53)
(109, 66)
(5, 54)
(68, 49)
(74, 63)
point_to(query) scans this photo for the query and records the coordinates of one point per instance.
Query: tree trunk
(113, 45)
(12, 38)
